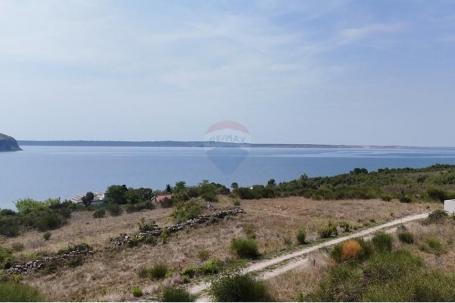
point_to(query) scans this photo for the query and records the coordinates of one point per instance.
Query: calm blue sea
(42, 172)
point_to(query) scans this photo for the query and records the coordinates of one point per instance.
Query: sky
(322, 72)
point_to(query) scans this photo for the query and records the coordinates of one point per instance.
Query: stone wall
(59, 259)
(155, 231)
(148, 234)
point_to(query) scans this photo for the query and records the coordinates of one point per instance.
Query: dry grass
(444, 233)
(274, 222)
(83, 227)
(303, 280)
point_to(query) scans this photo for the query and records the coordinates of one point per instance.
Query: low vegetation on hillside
(435, 183)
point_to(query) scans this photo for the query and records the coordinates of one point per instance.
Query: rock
(8, 143)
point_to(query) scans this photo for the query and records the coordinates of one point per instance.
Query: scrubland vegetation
(294, 216)
(435, 183)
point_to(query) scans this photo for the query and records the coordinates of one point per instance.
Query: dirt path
(298, 258)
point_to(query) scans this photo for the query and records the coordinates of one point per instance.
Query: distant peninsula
(186, 144)
(8, 143)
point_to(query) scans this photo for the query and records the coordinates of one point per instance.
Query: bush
(114, 209)
(187, 210)
(406, 237)
(174, 294)
(46, 236)
(210, 267)
(10, 225)
(438, 216)
(167, 203)
(245, 248)
(189, 271)
(437, 194)
(17, 292)
(386, 267)
(405, 199)
(357, 249)
(6, 258)
(130, 208)
(116, 194)
(99, 213)
(328, 231)
(45, 220)
(350, 250)
(382, 242)
(343, 283)
(156, 272)
(233, 287)
(136, 291)
(301, 236)
(433, 245)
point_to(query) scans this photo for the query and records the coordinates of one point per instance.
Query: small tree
(88, 198)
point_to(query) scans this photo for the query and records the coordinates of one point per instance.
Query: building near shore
(99, 198)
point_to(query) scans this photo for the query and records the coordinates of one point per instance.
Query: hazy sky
(341, 72)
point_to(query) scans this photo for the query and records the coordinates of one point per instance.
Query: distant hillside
(182, 144)
(8, 143)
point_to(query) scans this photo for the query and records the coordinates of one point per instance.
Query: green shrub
(136, 291)
(99, 213)
(382, 242)
(131, 208)
(236, 202)
(114, 209)
(175, 294)
(6, 258)
(385, 267)
(10, 225)
(234, 287)
(116, 194)
(386, 198)
(209, 196)
(17, 292)
(156, 272)
(405, 199)
(406, 237)
(328, 231)
(45, 220)
(210, 267)
(438, 216)
(46, 236)
(437, 194)
(26, 206)
(245, 248)
(187, 210)
(420, 286)
(433, 245)
(301, 236)
(190, 271)
(167, 203)
(433, 286)
(343, 283)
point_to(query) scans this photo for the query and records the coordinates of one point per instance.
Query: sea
(42, 172)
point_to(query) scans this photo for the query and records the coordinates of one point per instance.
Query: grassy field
(432, 243)
(110, 275)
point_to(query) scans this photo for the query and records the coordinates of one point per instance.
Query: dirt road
(296, 259)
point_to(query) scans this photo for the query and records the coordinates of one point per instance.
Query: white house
(449, 206)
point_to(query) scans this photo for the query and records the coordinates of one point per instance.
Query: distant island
(8, 143)
(187, 144)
